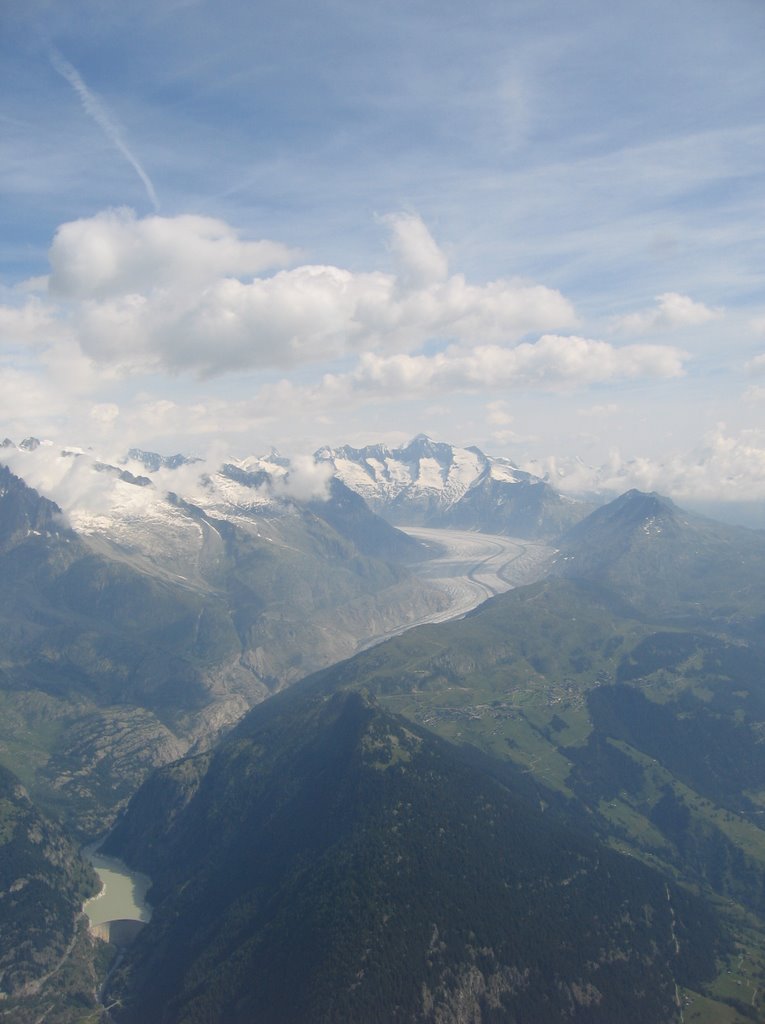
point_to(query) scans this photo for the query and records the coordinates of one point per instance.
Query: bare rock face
(23, 513)
(464, 996)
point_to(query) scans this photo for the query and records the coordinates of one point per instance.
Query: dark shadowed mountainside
(331, 862)
(45, 956)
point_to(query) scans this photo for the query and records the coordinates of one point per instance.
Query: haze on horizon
(527, 226)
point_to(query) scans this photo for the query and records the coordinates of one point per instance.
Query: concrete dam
(121, 932)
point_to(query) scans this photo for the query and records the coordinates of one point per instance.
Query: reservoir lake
(123, 893)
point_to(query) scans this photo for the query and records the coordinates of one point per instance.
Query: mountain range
(584, 698)
(429, 483)
(548, 810)
(144, 626)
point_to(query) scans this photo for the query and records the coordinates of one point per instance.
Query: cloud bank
(136, 311)
(726, 467)
(187, 294)
(551, 363)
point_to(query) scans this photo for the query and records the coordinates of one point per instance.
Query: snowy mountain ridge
(161, 509)
(424, 483)
(431, 483)
(138, 491)
(423, 466)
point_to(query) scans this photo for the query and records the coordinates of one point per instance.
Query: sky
(530, 225)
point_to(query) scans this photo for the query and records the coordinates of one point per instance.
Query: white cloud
(104, 413)
(132, 299)
(756, 366)
(44, 376)
(421, 260)
(306, 480)
(550, 363)
(163, 417)
(22, 391)
(34, 284)
(70, 478)
(724, 468)
(497, 414)
(42, 368)
(32, 324)
(182, 294)
(115, 254)
(672, 311)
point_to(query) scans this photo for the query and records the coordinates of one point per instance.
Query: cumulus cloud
(116, 254)
(199, 421)
(32, 323)
(306, 480)
(67, 479)
(22, 391)
(723, 468)
(42, 387)
(756, 366)
(552, 362)
(185, 293)
(130, 299)
(42, 368)
(69, 476)
(421, 260)
(672, 310)
(104, 413)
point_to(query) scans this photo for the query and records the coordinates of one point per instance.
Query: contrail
(94, 109)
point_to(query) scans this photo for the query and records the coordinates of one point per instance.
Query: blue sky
(534, 226)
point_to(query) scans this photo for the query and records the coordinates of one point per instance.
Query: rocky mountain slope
(427, 483)
(330, 862)
(143, 622)
(44, 949)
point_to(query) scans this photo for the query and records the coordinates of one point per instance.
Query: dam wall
(121, 932)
